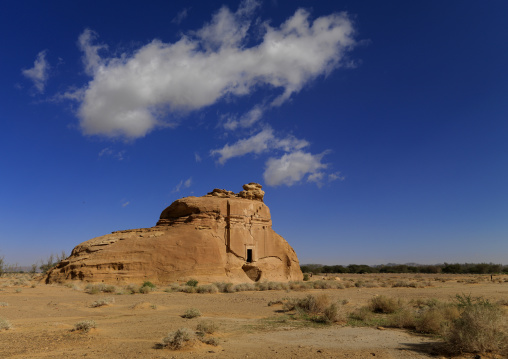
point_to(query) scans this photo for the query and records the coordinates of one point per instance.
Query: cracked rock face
(221, 236)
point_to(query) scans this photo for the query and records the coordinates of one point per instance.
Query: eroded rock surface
(221, 236)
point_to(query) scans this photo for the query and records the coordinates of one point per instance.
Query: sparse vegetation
(4, 324)
(4, 304)
(206, 327)
(209, 288)
(52, 261)
(315, 308)
(102, 302)
(482, 327)
(178, 339)
(192, 283)
(191, 313)
(211, 341)
(382, 304)
(2, 266)
(85, 326)
(147, 287)
(99, 288)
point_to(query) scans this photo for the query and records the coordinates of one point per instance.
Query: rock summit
(222, 236)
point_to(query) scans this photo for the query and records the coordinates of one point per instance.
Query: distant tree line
(456, 268)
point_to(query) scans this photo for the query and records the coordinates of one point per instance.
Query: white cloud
(91, 58)
(257, 144)
(292, 167)
(125, 204)
(336, 176)
(180, 16)
(109, 152)
(39, 73)
(246, 120)
(197, 157)
(131, 95)
(183, 184)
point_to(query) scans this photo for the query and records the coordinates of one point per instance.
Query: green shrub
(178, 339)
(148, 284)
(191, 313)
(192, 283)
(306, 277)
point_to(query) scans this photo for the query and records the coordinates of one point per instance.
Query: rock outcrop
(221, 236)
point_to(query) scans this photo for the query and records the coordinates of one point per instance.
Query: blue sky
(377, 129)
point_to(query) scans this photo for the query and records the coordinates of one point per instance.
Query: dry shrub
(430, 321)
(482, 327)
(178, 339)
(318, 309)
(333, 313)
(405, 284)
(97, 288)
(362, 314)
(382, 304)
(211, 341)
(404, 318)
(4, 324)
(314, 305)
(85, 325)
(208, 288)
(225, 287)
(298, 286)
(145, 289)
(207, 327)
(102, 302)
(244, 287)
(191, 313)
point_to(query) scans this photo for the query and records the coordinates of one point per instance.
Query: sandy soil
(43, 318)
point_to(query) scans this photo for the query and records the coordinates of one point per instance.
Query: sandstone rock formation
(221, 236)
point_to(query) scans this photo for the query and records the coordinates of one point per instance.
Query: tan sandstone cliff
(221, 236)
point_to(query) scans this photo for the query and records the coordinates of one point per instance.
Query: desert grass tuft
(191, 313)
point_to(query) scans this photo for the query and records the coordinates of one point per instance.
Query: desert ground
(248, 324)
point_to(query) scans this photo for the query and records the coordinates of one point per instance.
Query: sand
(132, 326)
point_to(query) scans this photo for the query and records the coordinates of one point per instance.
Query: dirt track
(43, 317)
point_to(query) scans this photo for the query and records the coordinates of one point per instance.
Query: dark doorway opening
(249, 255)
